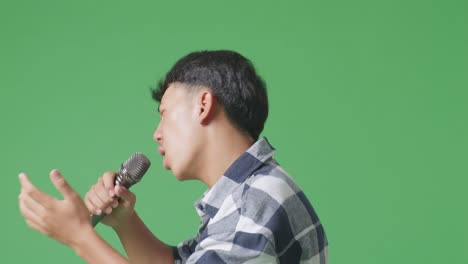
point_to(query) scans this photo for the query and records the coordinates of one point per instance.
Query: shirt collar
(235, 175)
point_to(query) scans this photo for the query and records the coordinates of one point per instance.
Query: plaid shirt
(255, 213)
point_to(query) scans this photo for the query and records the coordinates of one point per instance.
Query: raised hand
(66, 221)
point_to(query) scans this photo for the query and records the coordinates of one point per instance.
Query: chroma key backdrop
(368, 105)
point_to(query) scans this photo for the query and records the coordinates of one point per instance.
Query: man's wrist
(84, 241)
(122, 226)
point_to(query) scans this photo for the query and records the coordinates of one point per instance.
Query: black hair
(233, 80)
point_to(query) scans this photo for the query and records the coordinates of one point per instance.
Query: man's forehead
(168, 94)
(165, 96)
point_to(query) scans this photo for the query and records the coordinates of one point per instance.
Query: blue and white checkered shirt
(255, 213)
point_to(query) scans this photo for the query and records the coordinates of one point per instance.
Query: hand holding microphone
(67, 220)
(111, 195)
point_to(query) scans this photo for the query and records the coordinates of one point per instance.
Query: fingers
(128, 198)
(33, 204)
(24, 180)
(31, 217)
(28, 189)
(29, 208)
(62, 185)
(29, 204)
(92, 208)
(101, 197)
(98, 203)
(38, 227)
(108, 181)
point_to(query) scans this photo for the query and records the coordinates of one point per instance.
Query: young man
(213, 107)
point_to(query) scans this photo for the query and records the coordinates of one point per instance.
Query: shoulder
(272, 189)
(271, 182)
(272, 200)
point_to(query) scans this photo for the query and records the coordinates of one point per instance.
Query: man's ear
(206, 106)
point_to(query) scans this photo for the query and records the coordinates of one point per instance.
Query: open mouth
(161, 151)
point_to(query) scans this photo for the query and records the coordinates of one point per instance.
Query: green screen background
(368, 113)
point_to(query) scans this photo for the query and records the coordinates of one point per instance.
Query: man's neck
(223, 148)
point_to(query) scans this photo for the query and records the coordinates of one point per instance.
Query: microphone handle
(95, 219)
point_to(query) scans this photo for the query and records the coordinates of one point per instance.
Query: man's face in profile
(176, 132)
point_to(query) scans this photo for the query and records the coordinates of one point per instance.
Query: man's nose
(158, 133)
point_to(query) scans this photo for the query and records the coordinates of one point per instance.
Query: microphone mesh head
(132, 170)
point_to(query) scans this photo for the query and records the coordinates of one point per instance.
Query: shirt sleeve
(223, 248)
(237, 247)
(184, 250)
(236, 237)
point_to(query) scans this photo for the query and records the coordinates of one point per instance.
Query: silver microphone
(131, 172)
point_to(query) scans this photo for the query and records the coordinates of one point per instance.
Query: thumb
(125, 194)
(61, 184)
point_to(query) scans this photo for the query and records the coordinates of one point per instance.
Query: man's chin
(165, 164)
(183, 177)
